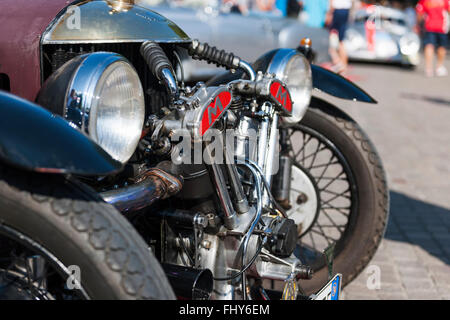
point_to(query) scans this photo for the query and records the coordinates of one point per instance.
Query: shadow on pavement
(420, 223)
(382, 63)
(435, 100)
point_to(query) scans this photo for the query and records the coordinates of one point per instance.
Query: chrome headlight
(409, 44)
(291, 67)
(104, 99)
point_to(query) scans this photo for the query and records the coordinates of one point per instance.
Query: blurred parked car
(382, 34)
(248, 34)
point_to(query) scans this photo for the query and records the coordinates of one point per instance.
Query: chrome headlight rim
(83, 86)
(409, 44)
(87, 74)
(278, 66)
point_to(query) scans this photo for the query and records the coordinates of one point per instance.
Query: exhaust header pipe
(189, 283)
(153, 185)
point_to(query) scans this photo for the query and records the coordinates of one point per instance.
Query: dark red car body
(22, 25)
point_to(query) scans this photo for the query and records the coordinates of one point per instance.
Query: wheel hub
(304, 200)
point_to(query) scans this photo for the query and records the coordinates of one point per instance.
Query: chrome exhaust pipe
(153, 185)
(189, 283)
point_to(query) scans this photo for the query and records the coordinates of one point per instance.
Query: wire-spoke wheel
(322, 212)
(60, 240)
(29, 272)
(338, 193)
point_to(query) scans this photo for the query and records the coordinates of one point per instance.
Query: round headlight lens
(105, 100)
(294, 70)
(117, 111)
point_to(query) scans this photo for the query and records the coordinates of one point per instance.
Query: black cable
(269, 192)
(177, 56)
(234, 276)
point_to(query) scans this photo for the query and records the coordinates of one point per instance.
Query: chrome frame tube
(247, 69)
(262, 141)
(246, 239)
(270, 156)
(170, 83)
(235, 183)
(219, 183)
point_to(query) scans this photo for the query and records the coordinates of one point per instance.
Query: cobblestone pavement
(411, 129)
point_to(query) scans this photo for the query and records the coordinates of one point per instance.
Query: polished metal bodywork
(387, 43)
(111, 21)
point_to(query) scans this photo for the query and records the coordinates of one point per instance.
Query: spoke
(338, 210)
(332, 178)
(332, 222)
(335, 193)
(331, 226)
(327, 238)
(333, 198)
(328, 165)
(323, 165)
(303, 147)
(322, 233)
(313, 154)
(312, 240)
(332, 181)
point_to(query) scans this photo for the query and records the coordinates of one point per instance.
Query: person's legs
(429, 42)
(429, 57)
(334, 47)
(343, 55)
(343, 28)
(441, 52)
(337, 49)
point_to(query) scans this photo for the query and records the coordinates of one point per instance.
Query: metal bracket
(329, 256)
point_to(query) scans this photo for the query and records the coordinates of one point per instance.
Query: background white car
(382, 34)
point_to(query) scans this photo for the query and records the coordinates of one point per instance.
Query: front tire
(364, 201)
(64, 223)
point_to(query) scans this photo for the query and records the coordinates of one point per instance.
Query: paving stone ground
(411, 129)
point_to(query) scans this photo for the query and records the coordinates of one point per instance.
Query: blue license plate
(331, 291)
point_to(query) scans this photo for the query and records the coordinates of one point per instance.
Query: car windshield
(383, 19)
(381, 16)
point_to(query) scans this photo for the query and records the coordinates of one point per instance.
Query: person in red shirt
(435, 14)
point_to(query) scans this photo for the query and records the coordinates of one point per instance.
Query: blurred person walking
(435, 14)
(337, 19)
(410, 12)
(314, 12)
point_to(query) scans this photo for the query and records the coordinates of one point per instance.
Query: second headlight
(294, 70)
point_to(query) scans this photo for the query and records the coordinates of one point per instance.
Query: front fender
(34, 139)
(336, 85)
